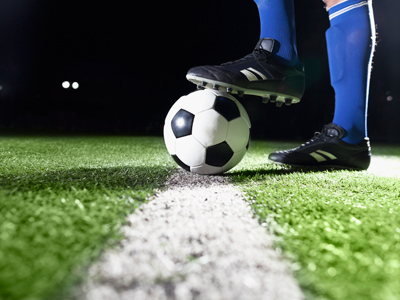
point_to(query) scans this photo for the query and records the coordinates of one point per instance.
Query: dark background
(130, 59)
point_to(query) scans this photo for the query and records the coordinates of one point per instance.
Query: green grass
(62, 201)
(340, 229)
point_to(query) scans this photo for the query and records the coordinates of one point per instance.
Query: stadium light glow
(65, 84)
(75, 85)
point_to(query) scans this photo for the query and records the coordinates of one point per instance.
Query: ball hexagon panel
(243, 113)
(198, 101)
(206, 170)
(190, 151)
(218, 155)
(210, 128)
(238, 134)
(182, 123)
(169, 139)
(227, 108)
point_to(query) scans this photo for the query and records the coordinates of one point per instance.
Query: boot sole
(267, 96)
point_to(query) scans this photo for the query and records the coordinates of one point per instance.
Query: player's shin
(350, 43)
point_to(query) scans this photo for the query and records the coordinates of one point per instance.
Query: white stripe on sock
(373, 31)
(327, 9)
(346, 9)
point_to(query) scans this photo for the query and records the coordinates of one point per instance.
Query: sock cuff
(327, 9)
(346, 6)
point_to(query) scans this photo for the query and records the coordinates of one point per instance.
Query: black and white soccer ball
(207, 132)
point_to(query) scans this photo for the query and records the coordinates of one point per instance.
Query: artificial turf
(339, 229)
(62, 201)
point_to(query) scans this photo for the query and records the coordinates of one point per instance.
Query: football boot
(326, 149)
(257, 74)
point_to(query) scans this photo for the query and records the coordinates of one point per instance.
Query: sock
(351, 43)
(277, 22)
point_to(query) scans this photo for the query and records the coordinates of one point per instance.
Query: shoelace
(315, 137)
(259, 54)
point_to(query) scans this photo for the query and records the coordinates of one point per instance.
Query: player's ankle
(294, 61)
(287, 57)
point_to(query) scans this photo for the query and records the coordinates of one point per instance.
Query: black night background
(130, 59)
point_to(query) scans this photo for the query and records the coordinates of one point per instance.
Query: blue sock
(351, 42)
(277, 22)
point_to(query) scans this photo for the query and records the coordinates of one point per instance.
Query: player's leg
(272, 70)
(350, 43)
(277, 22)
(350, 57)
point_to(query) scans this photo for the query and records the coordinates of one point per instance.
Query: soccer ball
(207, 132)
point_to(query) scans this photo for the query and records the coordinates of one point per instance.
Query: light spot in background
(65, 84)
(75, 85)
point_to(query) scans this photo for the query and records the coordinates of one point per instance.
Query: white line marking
(196, 240)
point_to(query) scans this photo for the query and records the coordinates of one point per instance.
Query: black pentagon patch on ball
(218, 155)
(182, 123)
(227, 108)
(181, 163)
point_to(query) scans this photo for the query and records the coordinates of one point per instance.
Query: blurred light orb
(65, 84)
(75, 85)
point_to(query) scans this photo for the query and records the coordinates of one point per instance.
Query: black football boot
(326, 149)
(256, 74)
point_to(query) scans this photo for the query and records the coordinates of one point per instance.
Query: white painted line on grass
(385, 165)
(196, 240)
